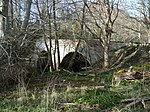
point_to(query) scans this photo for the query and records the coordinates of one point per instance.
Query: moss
(141, 68)
(137, 68)
(121, 71)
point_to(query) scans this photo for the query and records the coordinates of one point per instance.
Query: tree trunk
(11, 13)
(54, 57)
(50, 39)
(56, 35)
(106, 28)
(50, 54)
(5, 12)
(149, 15)
(106, 56)
(27, 15)
(19, 14)
(58, 52)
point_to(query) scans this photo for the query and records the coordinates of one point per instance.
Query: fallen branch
(127, 58)
(136, 101)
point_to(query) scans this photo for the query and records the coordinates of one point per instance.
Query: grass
(82, 98)
(100, 97)
(33, 101)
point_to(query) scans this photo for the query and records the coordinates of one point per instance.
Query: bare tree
(49, 10)
(27, 14)
(11, 13)
(5, 13)
(56, 34)
(145, 12)
(142, 17)
(104, 14)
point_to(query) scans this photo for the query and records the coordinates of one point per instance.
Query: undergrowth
(82, 98)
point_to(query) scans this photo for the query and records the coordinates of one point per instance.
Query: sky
(131, 7)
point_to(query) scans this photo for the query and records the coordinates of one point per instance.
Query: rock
(79, 62)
